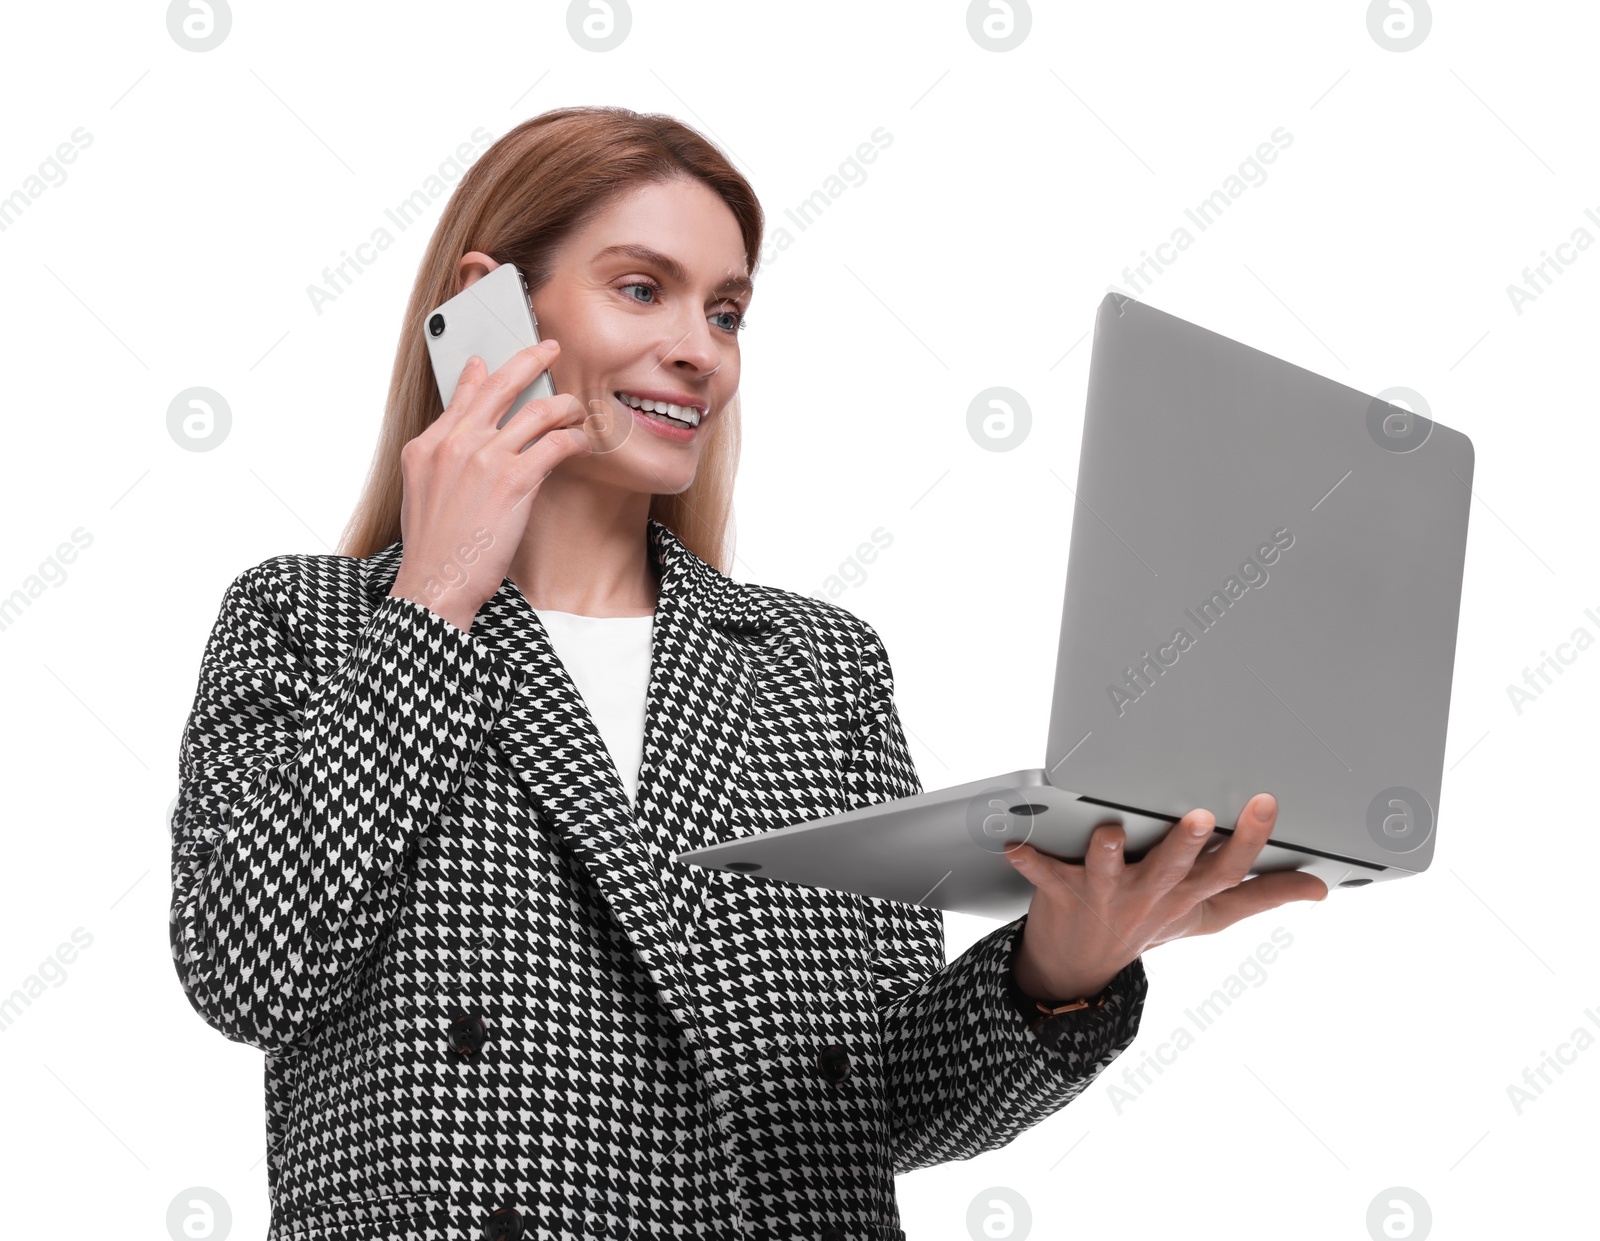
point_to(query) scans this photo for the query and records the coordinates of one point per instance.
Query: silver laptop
(1263, 587)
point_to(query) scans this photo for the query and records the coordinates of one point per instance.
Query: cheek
(595, 347)
(607, 339)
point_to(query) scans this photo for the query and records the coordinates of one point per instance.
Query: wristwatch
(1036, 1012)
(1046, 1011)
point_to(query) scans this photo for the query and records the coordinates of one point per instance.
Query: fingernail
(1266, 806)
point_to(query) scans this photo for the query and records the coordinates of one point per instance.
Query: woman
(431, 790)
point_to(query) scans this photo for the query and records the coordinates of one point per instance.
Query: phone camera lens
(436, 325)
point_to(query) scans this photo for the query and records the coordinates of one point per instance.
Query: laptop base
(945, 849)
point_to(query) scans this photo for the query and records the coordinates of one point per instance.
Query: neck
(584, 550)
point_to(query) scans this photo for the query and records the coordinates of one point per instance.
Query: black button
(467, 1033)
(832, 1234)
(834, 1063)
(504, 1225)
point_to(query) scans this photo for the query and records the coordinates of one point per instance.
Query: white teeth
(685, 414)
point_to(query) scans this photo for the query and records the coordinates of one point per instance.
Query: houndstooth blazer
(491, 1005)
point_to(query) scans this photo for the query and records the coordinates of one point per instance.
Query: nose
(696, 349)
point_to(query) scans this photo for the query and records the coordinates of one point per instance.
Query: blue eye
(655, 290)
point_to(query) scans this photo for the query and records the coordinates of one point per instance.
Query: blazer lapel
(696, 711)
(696, 718)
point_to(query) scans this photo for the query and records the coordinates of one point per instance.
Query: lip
(671, 398)
(654, 426)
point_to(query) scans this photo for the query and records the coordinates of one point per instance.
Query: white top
(608, 659)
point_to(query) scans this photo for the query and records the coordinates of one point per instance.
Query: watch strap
(1046, 1011)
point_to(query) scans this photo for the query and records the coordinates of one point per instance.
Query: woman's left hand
(1085, 923)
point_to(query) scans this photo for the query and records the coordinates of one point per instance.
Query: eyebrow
(733, 285)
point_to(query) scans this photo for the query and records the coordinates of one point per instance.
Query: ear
(473, 266)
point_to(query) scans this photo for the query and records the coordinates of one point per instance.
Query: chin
(666, 481)
(656, 473)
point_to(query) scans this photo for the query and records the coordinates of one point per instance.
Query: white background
(1017, 187)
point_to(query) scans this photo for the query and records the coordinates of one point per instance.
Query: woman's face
(645, 302)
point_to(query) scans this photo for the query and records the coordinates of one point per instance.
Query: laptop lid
(1263, 588)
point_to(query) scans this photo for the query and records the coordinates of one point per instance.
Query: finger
(1104, 861)
(1031, 864)
(1172, 860)
(1044, 872)
(1256, 895)
(472, 377)
(1102, 867)
(539, 416)
(540, 458)
(1222, 868)
(498, 389)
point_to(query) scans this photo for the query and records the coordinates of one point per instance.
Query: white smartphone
(493, 318)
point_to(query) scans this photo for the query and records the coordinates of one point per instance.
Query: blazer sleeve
(964, 1074)
(299, 802)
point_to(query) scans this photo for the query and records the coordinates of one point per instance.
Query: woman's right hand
(468, 484)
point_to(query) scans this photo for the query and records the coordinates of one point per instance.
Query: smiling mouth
(673, 415)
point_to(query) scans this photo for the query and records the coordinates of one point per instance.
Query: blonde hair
(525, 195)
